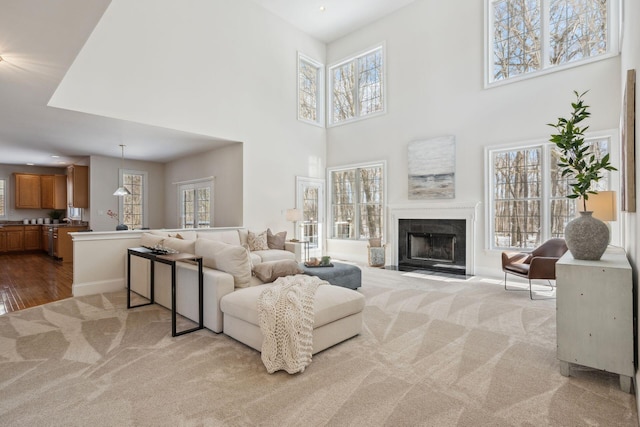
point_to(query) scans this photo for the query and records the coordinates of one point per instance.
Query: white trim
(194, 181)
(613, 177)
(329, 98)
(467, 211)
(320, 90)
(208, 182)
(329, 192)
(301, 182)
(145, 193)
(614, 45)
(5, 197)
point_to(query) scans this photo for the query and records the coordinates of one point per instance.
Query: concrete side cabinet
(594, 319)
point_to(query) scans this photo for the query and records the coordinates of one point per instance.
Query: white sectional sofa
(231, 271)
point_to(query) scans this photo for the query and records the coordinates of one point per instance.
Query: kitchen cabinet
(27, 191)
(32, 238)
(63, 244)
(3, 240)
(594, 319)
(15, 238)
(78, 186)
(53, 191)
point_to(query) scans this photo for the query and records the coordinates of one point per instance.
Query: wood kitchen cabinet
(3, 240)
(15, 238)
(53, 191)
(27, 191)
(78, 186)
(32, 237)
(63, 244)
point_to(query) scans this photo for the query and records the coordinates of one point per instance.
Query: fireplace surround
(463, 255)
(432, 244)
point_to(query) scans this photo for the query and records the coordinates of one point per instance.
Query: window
(357, 201)
(3, 197)
(357, 87)
(527, 201)
(133, 206)
(528, 36)
(196, 203)
(310, 90)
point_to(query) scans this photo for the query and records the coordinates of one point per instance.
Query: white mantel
(454, 210)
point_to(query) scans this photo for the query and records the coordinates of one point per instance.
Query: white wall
(103, 181)
(631, 60)
(225, 165)
(225, 69)
(434, 56)
(6, 172)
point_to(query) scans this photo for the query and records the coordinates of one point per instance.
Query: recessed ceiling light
(55, 157)
(322, 8)
(30, 164)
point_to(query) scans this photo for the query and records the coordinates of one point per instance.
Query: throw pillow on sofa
(232, 259)
(271, 270)
(151, 240)
(257, 241)
(180, 245)
(276, 241)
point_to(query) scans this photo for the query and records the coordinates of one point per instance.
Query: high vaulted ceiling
(38, 43)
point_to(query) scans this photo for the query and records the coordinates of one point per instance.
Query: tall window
(196, 206)
(310, 90)
(133, 206)
(357, 201)
(526, 36)
(3, 197)
(527, 201)
(357, 86)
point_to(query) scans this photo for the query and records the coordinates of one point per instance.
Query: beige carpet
(433, 352)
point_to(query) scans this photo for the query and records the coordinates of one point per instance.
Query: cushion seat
(337, 315)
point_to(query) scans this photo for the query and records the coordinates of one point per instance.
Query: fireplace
(432, 244)
(464, 247)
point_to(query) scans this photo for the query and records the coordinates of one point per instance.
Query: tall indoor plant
(587, 237)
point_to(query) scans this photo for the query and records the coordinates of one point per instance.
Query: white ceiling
(339, 17)
(40, 39)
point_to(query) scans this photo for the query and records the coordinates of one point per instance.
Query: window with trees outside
(133, 205)
(3, 197)
(196, 204)
(310, 90)
(357, 201)
(527, 201)
(528, 36)
(357, 87)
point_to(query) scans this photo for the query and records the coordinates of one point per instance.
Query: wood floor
(30, 279)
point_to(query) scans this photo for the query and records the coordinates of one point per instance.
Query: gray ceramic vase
(587, 237)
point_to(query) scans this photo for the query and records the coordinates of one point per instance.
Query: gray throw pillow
(270, 270)
(276, 241)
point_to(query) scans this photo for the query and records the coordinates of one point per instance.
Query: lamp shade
(121, 191)
(603, 205)
(294, 215)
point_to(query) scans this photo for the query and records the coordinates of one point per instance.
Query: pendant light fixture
(122, 191)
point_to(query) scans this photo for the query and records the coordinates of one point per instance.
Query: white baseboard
(98, 287)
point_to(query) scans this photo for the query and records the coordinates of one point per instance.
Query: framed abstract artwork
(627, 140)
(431, 167)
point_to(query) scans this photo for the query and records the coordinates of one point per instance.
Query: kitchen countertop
(62, 224)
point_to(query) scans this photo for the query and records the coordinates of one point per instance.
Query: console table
(594, 319)
(171, 260)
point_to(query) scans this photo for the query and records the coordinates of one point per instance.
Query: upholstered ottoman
(345, 275)
(337, 316)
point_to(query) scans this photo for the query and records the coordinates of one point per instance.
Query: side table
(171, 260)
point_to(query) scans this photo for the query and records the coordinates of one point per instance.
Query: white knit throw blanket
(286, 321)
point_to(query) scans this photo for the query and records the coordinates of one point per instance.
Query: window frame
(614, 28)
(613, 183)
(330, 222)
(145, 196)
(320, 90)
(208, 182)
(5, 196)
(354, 58)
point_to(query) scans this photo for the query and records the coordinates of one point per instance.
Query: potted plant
(587, 237)
(56, 215)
